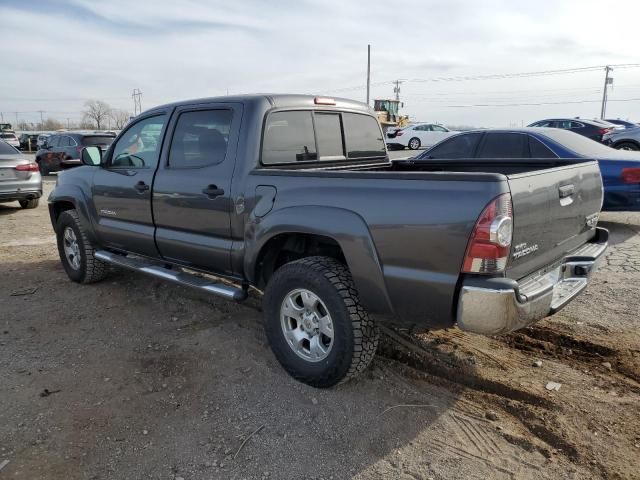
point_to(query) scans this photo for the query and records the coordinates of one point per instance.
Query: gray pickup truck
(295, 197)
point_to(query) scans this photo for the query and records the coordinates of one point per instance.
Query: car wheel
(44, 167)
(33, 203)
(316, 326)
(627, 146)
(414, 143)
(76, 251)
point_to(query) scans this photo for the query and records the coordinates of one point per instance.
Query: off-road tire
(355, 333)
(26, 204)
(91, 269)
(411, 140)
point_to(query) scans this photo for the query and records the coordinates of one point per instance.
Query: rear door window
(289, 138)
(53, 141)
(363, 137)
(329, 134)
(539, 149)
(97, 140)
(503, 145)
(65, 141)
(460, 146)
(200, 138)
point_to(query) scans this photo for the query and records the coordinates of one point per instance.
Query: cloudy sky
(57, 54)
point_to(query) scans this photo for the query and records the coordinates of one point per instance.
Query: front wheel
(76, 251)
(414, 143)
(627, 146)
(26, 204)
(316, 326)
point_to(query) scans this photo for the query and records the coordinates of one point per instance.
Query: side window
(289, 138)
(438, 128)
(65, 141)
(53, 141)
(503, 145)
(363, 137)
(460, 146)
(200, 138)
(566, 124)
(576, 125)
(139, 146)
(329, 135)
(422, 128)
(539, 149)
(544, 123)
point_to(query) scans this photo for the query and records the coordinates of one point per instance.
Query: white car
(419, 135)
(10, 137)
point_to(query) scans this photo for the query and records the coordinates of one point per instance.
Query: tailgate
(554, 212)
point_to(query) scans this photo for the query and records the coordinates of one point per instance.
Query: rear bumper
(501, 305)
(21, 195)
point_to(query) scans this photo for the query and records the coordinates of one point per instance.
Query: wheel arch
(70, 197)
(329, 231)
(626, 140)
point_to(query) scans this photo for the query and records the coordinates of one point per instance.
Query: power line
(539, 104)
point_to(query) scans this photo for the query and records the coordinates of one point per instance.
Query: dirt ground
(133, 378)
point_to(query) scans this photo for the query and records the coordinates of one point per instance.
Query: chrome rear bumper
(495, 306)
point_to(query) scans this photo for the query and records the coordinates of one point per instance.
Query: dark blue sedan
(620, 169)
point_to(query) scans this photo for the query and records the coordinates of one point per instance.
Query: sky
(58, 54)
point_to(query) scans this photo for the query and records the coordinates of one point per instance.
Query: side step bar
(187, 279)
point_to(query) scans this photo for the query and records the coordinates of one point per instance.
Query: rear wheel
(33, 203)
(76, 250)
(315, 324)
(414, 143)
(627, 146)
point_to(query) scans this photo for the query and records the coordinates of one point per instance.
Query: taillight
(78, 150)
(490, 242)
(602, 131)
(631, 175)
(28, 167)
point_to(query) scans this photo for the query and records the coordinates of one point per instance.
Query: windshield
(6, 149)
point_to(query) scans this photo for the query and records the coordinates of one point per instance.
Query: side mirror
(91, 156)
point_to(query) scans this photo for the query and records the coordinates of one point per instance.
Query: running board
(177, 276)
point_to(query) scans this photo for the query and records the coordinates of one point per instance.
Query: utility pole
(68, 123)
(607, 81)
(396, 89)
(41, 117)
(137, 101)
(368, 72)
(16, 120)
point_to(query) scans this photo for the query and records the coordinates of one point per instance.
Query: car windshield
(6, 149)
(7, 135)
(578, 143)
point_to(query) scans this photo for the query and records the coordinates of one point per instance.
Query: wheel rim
(71, 248)
(414, 144)
(307, 325)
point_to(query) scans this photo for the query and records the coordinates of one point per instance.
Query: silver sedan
(20, 177)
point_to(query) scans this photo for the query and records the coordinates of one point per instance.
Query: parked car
(628, 139)
(295, 195)
(63, 150)
(19, 177)
(417, 135)
(42, 140)
(593, 129)
(620, 170)
(622, 123)
(28, 141)
(10, 137)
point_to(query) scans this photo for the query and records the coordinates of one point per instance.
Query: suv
(63, 150)
(296, 197)
(593, 129)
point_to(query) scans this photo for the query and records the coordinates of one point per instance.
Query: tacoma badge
(522, 249)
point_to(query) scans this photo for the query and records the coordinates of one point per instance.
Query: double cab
(295, 197)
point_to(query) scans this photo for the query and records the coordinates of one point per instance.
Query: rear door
(192, 200)
(121, 189)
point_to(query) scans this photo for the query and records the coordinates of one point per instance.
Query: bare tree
(51, 124)
(96, 112)
(120, 118)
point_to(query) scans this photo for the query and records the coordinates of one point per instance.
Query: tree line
(96, 115)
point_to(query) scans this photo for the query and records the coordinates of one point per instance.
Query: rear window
(8, 135)
(363, 136)
(459, 146)
(6, 149)
(306, 136)
(97, 140)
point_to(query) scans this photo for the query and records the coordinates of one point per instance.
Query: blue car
(620, 168)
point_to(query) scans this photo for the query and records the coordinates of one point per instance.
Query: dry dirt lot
(133, 378)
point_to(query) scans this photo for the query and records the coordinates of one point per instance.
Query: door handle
(141, 186)
(212, 191)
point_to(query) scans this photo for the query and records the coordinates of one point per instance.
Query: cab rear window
(320, 136)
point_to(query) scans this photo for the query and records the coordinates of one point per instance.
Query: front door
(192, 201)
(122, 187)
